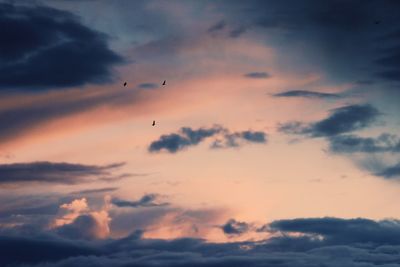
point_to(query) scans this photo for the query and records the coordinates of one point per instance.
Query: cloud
(48, 108)
(356, 144)
(87, 226)
(389, 58)
(94, 191)
(45, 48)
(148, 86)
(307, 94)
(53, 172)
(190, 137)
(257, 75)
(186, 137)
(233, 227)
(311, 28)
(341, 120)
(390, 172)
(299, 242)
(336, 231)
(217, 27)
(230, 140)
(149, 200)
(23, 249)
(78, 221)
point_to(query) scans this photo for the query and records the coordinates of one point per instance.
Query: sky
(276, 139)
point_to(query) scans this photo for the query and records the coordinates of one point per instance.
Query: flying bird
(377, 22)
(154, 123)
(125, 83)
(164, 82)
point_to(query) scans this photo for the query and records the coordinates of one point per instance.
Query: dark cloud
(256, 137)
(148, 86)
(149, 200)
(257, 75)
(189, 137)
(95, 191)
(18, 249)
(390, 172)
(235, 33)
(389, 59)
(340, 37)
(336, 231)
(47, 48)
(53, 172)
(84, 227)
(341, 120)
(234, 139)
(331, 242)
(233, 227)
(308, 94)
(217, 27)
(356, 144)
(186, 137)
(171, 142)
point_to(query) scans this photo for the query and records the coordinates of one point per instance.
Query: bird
(154, 123)
(164, 82)
(125, 83)
(377, 22)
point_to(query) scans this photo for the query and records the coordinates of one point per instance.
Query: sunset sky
(276, 141)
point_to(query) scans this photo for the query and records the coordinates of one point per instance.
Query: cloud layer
(300, 242)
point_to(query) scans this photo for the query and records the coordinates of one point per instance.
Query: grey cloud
(340, 120)
(48, 48)
(390, 172)
(148, 86)
(356, 144)
(190, 137)
(148, 200)
(330, 242)
(307, 94)
(233, 227)
(257, 75)
(53, 172)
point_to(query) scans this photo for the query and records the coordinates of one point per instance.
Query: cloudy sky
(276, 142)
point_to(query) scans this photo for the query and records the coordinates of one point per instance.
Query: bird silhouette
(154, 123)
(164, 82)
(377, 22)
(125, 83)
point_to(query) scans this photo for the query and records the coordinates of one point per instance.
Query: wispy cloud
(257, 75)
(54, 172)
(148, 200)
(148, 86)
(308, 94)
